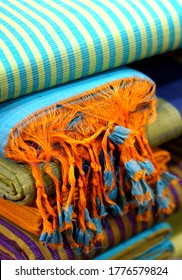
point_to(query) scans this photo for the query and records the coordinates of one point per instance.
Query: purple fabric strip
(14, 244)
(108, 230)
(11, 247)
(33, 246)
(132, 220)
(121, 227)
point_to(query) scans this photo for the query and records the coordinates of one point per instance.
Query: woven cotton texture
(47, 43)
(17, 183)
(151, 244)
(25, 228)
(95, 129)
(168, 124)
(15, 243)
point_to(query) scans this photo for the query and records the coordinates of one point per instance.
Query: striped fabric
(151, 244)
(21, 231)
(15, 243)
(47, 43)
(19, 243)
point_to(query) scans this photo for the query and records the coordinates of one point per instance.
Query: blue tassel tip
(119, 135)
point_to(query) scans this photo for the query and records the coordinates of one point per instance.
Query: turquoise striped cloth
(47, 43)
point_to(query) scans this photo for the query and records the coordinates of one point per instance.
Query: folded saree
(151, 244)
(94, 129)
(48, 43)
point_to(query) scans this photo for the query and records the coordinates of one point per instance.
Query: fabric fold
(151, 244)
(18, 185)
(95, 130)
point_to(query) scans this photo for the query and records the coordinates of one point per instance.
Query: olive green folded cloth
(17, 183)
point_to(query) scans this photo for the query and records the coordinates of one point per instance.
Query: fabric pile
(81, 173)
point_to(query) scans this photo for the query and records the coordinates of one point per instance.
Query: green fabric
(167, 126)
(176, 223)
(17, 183)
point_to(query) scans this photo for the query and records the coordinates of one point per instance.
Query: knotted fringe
(98, 139)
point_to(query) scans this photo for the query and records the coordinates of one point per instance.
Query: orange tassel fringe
(98, 138)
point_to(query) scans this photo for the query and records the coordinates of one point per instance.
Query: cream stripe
(97, 28)
(111, 26)
(54, 35)
(151, 23)
(141, 25)
(164, 23)
(129, 30)
(30, 42)
(3, 83)
(20, 50)
(84, 32)
(14, 67)
(72, 39)
(177, 27)
(18, 240)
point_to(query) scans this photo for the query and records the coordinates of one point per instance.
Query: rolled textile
(168, 124)
(166, 71)
(152, 244)
(48, 43)
(75, 125)
(18, 185)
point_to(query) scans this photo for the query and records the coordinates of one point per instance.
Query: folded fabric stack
(79, 168)
(175, 147)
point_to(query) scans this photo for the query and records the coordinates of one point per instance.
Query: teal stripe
(39, 44)
(136, 29)
(54, 45)
(147, 28)
(121, 28)
(19, 61)
(81, 41)
(108, 34)
(96, 39)
(7, 65)
(158, 24)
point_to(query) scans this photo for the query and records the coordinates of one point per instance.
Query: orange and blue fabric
(93, 127)
(78, 125)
